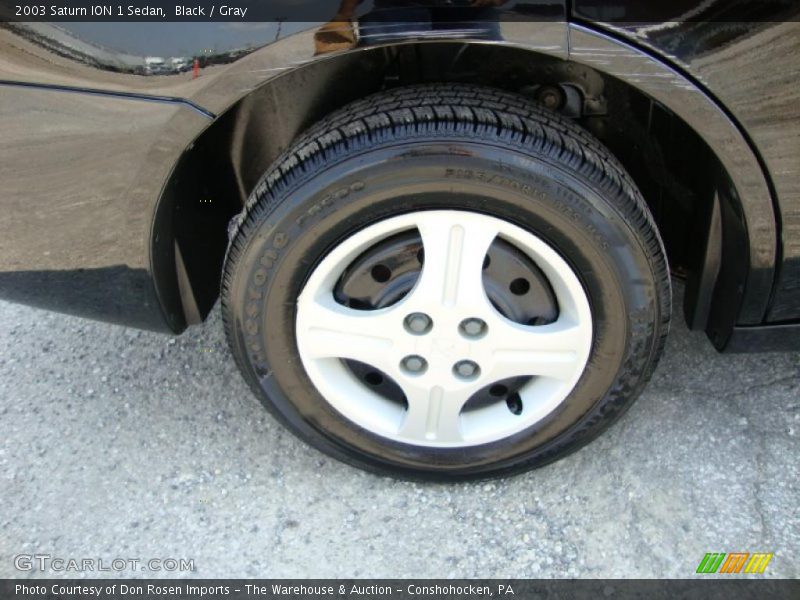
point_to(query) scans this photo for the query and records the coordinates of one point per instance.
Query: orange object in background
(196, 68)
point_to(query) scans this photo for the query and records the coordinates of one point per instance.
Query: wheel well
(679, 175)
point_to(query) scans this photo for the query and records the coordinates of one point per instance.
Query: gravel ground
(117, 443)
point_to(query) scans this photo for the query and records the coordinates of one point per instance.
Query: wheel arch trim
(707, 117)
(752, 198)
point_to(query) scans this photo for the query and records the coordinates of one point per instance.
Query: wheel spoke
(433, 415)
(552, 350)
(330, 330)
(452, 273)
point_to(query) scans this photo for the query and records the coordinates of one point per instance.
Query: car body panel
(753, 70)
(81, 178)
(104, 140)
(675, 91)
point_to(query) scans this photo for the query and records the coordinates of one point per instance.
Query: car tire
(355, 310)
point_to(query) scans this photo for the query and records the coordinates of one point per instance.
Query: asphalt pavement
(123, 444)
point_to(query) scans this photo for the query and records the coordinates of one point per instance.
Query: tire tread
(486, 115)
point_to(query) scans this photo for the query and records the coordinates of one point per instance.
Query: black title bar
(609, 11)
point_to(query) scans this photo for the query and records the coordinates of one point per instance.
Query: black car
(443, 234)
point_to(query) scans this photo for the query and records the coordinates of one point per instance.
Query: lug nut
(414, 364)
(466, 369)
(473, 327)
(418, 323)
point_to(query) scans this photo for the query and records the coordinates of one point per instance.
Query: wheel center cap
(442, 347)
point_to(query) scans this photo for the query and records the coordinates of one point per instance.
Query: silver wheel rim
(450, 292)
